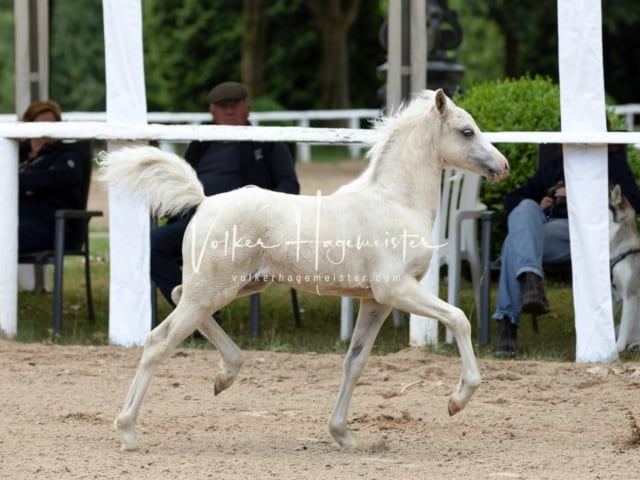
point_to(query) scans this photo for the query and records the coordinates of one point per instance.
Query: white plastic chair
(460, 207)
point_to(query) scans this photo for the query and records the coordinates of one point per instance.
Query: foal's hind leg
(408, 295)
(231, 356)
(160, 342)
(371, 316)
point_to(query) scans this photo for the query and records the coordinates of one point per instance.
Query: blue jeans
(533, 239)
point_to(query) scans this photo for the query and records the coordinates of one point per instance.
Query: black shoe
(197, 335)
(507, 343)
(534, 301)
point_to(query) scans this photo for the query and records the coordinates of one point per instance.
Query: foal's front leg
(371, 316)
(409, 296)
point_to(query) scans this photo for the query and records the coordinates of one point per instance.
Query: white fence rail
(11, 131)
(301, 118)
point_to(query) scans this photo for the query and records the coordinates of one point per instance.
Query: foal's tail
(163, 180)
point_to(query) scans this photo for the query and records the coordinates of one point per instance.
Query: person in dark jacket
(221, 167)
(50, 178)
(538, 231)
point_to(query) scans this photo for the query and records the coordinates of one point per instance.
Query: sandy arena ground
(527, 420)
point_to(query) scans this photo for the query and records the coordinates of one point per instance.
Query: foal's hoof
(128, 441)
(346, 442)
(453, 408)
(342, 437)
(220, 385)
(127, 437)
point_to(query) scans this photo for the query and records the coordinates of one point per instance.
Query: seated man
(50, 178)
(221, 167)
(538, 231)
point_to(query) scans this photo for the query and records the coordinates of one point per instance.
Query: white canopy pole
(32, 52)
(129, 291)
(393, 93)
(418, 45)
(582, 106)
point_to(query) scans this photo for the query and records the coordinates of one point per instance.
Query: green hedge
(523, 104)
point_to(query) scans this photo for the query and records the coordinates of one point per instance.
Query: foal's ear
(441, 101)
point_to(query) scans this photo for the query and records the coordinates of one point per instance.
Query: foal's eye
(467, 132)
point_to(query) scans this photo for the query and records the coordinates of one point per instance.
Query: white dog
(624, 254)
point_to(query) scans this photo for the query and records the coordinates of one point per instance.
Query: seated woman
(50, 178)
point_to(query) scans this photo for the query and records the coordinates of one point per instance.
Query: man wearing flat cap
(221, 167)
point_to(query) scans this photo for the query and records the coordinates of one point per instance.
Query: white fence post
(304, 149)
(9, 229)
(130, 283)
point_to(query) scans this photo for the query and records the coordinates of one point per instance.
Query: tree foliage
(189, 48)
(254, 45)
(192, 44)
(7, 64)
(334, 19)
(528, 42)
(77, 55)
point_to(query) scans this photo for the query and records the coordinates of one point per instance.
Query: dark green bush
(523, 104)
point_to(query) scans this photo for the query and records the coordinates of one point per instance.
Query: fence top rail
(135, 132)
(627, 108)
(289, 115)
(204, 117)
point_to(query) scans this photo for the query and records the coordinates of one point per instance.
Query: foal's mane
(408, 114)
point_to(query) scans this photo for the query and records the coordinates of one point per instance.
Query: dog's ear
(616, 195)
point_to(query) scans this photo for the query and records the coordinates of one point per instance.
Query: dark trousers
(36, 226)
(166, 255)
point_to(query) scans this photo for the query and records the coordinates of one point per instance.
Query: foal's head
(459, 141)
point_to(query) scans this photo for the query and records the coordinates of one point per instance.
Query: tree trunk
(334, 24)
(254, 45)
(511, 67)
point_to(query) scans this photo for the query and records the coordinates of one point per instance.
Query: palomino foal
(370, 239)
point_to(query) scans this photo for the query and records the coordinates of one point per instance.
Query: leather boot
(534, 300)
(507, 342)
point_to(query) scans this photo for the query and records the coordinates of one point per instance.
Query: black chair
(75, 221)
(546, 152)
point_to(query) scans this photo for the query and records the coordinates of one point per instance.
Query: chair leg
(154, 305)
(254, 311)
(254, 314)
(485, 280)
(398, 321)
(534, 323)
(58, 275)
(39, 278)
(295, 307)
(87, 281)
